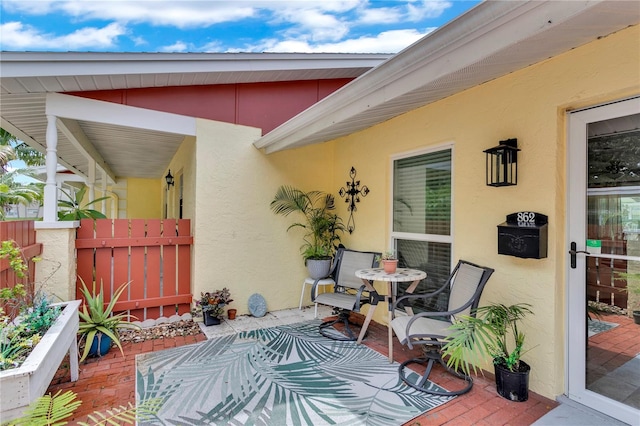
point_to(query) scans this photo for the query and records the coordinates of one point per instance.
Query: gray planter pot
(318, 268)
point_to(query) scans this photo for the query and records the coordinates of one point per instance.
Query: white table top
(401, 274)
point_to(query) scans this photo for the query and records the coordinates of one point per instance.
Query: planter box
(21, 386)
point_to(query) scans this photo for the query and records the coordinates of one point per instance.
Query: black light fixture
(169, 179)
(502, 163)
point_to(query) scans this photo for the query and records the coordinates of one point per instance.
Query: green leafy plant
(487, 334)
(55, 409)
(387, 255)
(71, 209)
(214, 302)
(29, 313)
(96, 319)
(322, 226)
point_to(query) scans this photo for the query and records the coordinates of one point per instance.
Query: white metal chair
(310, 281)
(430, 329)
(349, 292)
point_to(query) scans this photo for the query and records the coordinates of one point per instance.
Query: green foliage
(487, 334)
(22, 151)
(214, 302)
(95, 318)
(50, 410)
(387, 255)
(322, 226)
(72, 209)
(18, 336)
(12, 192)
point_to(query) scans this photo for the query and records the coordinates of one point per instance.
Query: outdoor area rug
(286, 375)
(596, 326)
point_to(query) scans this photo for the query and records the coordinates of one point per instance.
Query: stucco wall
(147, 193)
(529, 105)
(239, 243)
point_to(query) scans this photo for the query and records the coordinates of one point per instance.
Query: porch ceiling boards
(27, 77)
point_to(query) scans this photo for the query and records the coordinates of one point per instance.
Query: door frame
(575, 290)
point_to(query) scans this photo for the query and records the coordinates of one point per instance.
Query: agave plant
(95, 318)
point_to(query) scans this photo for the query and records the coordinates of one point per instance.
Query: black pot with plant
(322, 225)
(212, 304)
(489, 333)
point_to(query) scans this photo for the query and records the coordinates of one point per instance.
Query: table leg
(365, 325)
(390, 301)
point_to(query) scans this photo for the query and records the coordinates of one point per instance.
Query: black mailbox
(524, 234)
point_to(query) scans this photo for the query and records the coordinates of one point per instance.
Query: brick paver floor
(110, 382)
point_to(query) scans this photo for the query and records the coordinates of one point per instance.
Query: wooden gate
(153, 254)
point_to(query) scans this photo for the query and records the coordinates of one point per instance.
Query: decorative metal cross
(352, 194)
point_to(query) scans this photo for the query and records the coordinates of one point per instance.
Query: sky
(302, 26)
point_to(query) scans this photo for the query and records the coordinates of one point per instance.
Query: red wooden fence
(24, 235)
(153, 254)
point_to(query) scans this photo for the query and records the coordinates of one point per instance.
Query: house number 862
(526, 217)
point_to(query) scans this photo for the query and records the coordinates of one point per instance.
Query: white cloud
(16, 36)
(381, 15)
(385, 42)
(427, 9)
(178, 46)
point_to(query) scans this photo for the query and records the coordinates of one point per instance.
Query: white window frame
(435, 238)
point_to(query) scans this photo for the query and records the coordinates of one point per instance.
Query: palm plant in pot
(98, 324)
(322, 225)
(212, 304)
(493, 331)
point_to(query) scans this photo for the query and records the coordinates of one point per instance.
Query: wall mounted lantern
(169, 179)
(502, 163)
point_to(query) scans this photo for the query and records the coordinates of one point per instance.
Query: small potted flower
(389, 261)
(212, 305)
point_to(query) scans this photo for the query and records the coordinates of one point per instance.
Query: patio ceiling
(131, 150)
(493, 39)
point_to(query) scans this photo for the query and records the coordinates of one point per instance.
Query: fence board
(143, 252)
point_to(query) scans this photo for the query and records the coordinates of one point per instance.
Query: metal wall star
(352, 196)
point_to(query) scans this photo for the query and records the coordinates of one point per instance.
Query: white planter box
(19, 387)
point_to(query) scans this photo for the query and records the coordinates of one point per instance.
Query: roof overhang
(125, 141)
(491, 40)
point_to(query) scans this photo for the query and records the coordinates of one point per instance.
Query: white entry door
(603, 213)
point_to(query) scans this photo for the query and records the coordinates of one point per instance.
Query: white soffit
(117, 137)
(491, 40)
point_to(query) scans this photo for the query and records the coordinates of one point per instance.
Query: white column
(50, 213)
(103, 204)
(91, 181)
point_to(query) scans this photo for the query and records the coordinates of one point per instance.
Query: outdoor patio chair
(430, 329)
(349, 292)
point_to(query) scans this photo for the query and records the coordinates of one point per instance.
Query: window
(422, 218)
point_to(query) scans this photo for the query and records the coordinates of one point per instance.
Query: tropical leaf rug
(286, 375)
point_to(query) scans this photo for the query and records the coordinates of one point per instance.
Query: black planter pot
(513, 385)
(209, 320)
(636, 317)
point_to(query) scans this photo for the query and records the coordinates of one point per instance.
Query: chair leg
(316, 312)
(304, 286)
(343, 317)
(429, 359)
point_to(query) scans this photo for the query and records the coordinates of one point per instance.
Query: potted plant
(322, 226)
(488, 333)
(71, 209)
(212, 305)
(98, 324)
(389, 261)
